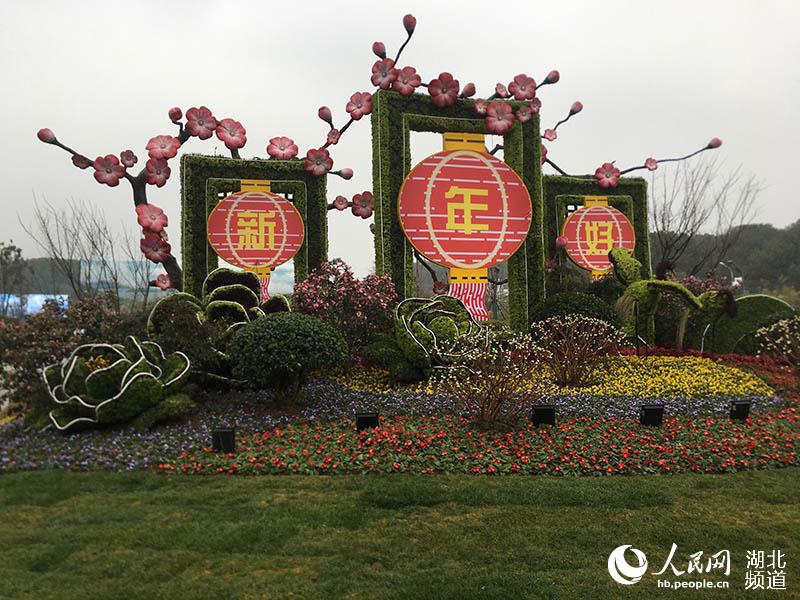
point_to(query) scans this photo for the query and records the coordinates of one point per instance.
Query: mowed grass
(141, 535)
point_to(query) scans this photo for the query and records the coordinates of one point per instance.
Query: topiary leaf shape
(106, 383)
(235, 293)
(75, 376)
(141, 392)
(174, 370)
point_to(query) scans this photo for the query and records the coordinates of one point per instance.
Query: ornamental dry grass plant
(575, 346)
(495, 381)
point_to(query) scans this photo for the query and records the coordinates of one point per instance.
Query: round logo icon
(464, 209)
(591, 232)
(255, 230)
(623, 572)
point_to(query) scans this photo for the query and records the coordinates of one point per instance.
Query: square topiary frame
(203, 178)
(394, 117)
(629, 197)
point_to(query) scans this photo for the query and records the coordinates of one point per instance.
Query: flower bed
(627, 376)
(583, 446)
(697, 435)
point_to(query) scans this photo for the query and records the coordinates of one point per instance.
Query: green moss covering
(203, 178)
(394, 117)
(735, 335)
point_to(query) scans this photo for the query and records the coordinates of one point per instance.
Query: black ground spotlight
(651, 415)
(223, 439)
(367, 420)
(543, 414)
(740, 410)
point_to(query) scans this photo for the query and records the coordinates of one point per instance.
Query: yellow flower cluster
(670, 376)
(8, 419)
(654, 377)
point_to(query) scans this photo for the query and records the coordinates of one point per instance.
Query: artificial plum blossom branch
(651, 164)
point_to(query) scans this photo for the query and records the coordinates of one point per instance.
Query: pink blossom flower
(128, 158)
(524, 113)
(324, 113)
(108, 170)
(318, 162)
(363, 205)
(154, 248)
(340, 203)
(536, 104)
(80, 161)
(480, 106)
(360, 104)
(163, 281)
(407, 81)
(468, 91)
(523, 87)
(232, 134)
(714, 143)
(562, 241)
(499, 118)
(607, 175)
(552, 77)
(163, 146)
(410, 23)
(576, 107)
(282, 148)
(151, 218)
(200, 122)
(333, 136)
(383, 73)
(443, 90)
(501, 90)
(175, 114)
(46, 135)
(379, 49)
(651, 164)
(550, 135)
(158, 171)
(544, 153)
(346, 173)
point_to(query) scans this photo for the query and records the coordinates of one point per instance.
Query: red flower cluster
(585, 446)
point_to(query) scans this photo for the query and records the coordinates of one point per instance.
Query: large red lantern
(256, 230)
(593, 231)
(466, 210)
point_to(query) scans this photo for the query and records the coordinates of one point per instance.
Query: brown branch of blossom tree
(425, 264)
(560, 170)
(666, 160)
(496, 149)
(138, 184)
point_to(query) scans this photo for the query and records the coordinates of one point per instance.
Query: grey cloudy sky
(656, 79)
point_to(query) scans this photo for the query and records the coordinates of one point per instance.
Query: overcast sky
(656, 79)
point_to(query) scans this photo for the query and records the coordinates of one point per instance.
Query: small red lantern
(256, 230)
(466, 210)
(593, 230)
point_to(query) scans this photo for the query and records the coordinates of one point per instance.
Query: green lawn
(141, 535)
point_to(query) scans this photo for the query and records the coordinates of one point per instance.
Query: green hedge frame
(203, 178)
(394, 117)
(629, 197)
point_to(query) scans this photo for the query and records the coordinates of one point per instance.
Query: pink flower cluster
(360, 308)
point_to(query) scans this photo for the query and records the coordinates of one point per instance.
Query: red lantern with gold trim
(467, 210)
(256, 230)
(593, 230)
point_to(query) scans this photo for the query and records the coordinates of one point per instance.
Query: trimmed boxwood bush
(574, 303)
(280, 349)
